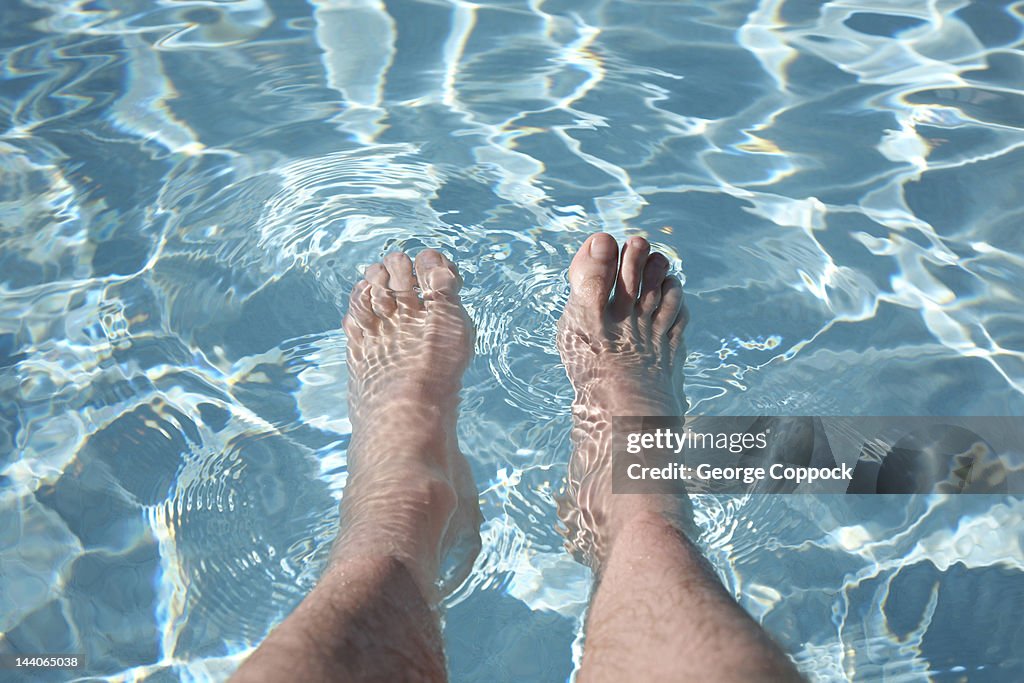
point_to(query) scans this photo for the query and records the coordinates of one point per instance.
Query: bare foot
(410, 493)
(624, 354)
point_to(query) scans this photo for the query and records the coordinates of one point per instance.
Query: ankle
(635, 517)
(406, 524)
(624, 399)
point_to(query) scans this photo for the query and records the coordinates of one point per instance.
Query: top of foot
(407, 329)
(621, 335)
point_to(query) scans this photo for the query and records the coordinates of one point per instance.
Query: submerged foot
(621, 341)
(410, 492)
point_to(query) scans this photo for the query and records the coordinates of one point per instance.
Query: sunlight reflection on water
(188, 191)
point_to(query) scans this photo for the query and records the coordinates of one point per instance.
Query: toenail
(603, 249)
(636, 242)
(430, 259)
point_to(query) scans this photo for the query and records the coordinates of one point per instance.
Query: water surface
(189, 189)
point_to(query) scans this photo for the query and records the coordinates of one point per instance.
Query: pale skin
(658, 612)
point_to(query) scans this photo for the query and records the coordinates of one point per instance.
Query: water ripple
(188, 192)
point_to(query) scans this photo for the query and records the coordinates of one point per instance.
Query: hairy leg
(410, 497)
(658, 612)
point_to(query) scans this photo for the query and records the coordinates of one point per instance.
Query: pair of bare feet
(409, 340)
(410, 517)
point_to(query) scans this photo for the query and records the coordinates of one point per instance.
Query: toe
(655, 271)
(437, 275)
(592, 273)
(627, 285)
(675, 333)
(381, 298)
(360, 318)
(402, 281)
(671, 304)
(377, 275)
(353, 332)
(399, 268)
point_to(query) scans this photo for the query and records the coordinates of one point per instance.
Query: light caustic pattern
(190, 189)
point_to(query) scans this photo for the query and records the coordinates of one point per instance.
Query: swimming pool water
(189, 189)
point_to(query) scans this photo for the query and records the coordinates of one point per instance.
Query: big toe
(592, 272)
(437, 275)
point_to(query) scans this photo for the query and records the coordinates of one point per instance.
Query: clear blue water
(189, 189)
